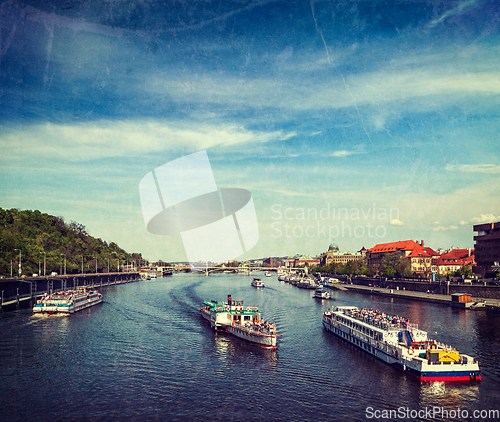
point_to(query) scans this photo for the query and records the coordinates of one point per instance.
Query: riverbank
(483, 303)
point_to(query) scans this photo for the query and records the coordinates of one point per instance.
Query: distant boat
(257, 282)
(321, 294)
(267, 274)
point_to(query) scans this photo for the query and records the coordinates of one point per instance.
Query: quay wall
(20, 293)
(436, 287)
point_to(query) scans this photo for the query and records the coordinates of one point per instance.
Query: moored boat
(244, 322)
(67, 302)
(400, 343)
(257, 282)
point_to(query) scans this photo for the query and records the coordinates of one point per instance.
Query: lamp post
(108, 264)
(20, 271)
(44, 263)
(82, 265)
(64, 263)
(96, 264)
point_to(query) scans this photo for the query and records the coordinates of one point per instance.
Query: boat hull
(265, 340)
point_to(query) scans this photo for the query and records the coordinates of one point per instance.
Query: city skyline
(365, 122)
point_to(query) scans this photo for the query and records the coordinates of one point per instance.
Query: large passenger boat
(244, 322)
(400, 343)
(67, 302)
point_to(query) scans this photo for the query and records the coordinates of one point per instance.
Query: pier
(21, 292)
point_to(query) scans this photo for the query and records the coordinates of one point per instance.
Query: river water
(145, 354)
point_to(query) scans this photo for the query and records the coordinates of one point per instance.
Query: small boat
(321, 294)
(152, 275)
(67, 302)
(267, 274)
(401, 344)
(244, 322)
(257, 282)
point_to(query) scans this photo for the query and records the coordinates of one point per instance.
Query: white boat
(152, 275)
(67, 302)
(257, 282)
(321, 294)
(244, 322)
(267, 274)
(401, 344)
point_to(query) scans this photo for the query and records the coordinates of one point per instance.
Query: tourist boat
(321, 293)
(257, 282)
(241, 321)
(67, 302)
(400, 343)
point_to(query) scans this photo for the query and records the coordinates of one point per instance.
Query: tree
(464, 271)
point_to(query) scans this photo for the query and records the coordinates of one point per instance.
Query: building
(450, 262)
(302, 261)
(334, 256)
(487, 248)
(418, 256)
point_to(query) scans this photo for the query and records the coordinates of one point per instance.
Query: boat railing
(257, 329)
(381, 323)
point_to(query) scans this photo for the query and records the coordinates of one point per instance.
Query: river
(145, 354)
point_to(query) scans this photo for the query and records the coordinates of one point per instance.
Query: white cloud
(105, 138)
(474, 168)
(463, 223)
(396, 222)
(485, 218)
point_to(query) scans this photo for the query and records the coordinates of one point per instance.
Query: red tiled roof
(420, 251)
(405, 245)
(457, 257)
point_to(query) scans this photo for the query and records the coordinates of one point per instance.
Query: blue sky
(362, 121)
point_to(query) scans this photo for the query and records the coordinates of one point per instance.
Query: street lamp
(20, 271)
(108, 264)
(96, 264)
(44, 263)
(82, 265)
(64, 263)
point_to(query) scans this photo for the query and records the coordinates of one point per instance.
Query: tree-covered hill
(38, 236)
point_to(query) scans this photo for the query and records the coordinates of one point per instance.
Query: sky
(354, 122)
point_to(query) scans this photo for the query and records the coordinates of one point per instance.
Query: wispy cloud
(76, 142)
(460, 9)
(474, 168)
(444, 229)
(344, 153)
